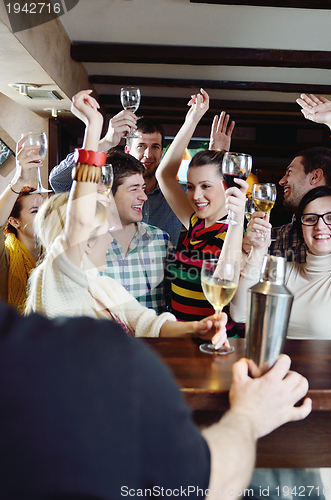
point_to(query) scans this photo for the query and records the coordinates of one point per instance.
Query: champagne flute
(38, 139)
(235, 165)
(264, 196)
(219, 280)
(130, 99)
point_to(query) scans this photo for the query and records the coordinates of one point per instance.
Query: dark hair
(208, 157)
(124, 165)
(17, 208)
(313, 194)
(148, 126)
(317, 158)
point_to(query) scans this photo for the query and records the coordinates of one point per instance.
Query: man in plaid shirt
(138, 255)
(309, 169)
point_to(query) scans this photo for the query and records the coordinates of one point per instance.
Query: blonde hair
(51, 218)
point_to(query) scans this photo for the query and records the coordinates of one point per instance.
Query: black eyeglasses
(312, 219)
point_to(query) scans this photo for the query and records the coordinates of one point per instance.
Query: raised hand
(199, 104)
(26, 159)
(85, 107)
(316, 109)
(220, 133)
(120, 124)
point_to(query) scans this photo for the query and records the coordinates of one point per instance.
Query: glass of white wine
(249, 208)
(130, 99)
(264, 196)
(219, 280)
(106, 180)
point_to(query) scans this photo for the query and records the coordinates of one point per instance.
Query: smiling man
(148, 149)
(309, 169)
(139, 252)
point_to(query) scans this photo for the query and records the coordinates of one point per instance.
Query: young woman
(202, 211)
(67, 281)
(309, 282)
(19, 249)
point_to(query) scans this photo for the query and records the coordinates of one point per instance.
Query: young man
(139, 252)
(309, 169)
(148, 149)
(88, 412)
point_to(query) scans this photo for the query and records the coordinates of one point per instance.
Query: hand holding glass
(130, 99)
(219, 282)
(38, 139)
(264, 196)
(235, 165)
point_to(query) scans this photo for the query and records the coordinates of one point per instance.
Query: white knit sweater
(59, 288)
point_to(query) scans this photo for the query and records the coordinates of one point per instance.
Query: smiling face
(205, 193)
(148, 150)
(296, 183)
(318, 238)
(129, 198)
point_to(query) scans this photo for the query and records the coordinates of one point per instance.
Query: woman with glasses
(309, 282)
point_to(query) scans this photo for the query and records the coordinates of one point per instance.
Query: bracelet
(96, 158)
(11, 187)
(84, 172)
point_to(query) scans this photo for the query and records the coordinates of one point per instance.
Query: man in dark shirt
(89, 412)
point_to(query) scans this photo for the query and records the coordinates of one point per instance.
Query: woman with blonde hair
(19, 249)
(76, 238)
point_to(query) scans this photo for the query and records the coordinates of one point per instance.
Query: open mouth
(201, 206)
(322, 237)
(137, 208)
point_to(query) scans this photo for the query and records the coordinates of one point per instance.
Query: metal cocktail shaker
(269, 307)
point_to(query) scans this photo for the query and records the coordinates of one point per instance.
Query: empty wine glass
(235, 165)
(130, 99)
(38, 139)
(219, 280)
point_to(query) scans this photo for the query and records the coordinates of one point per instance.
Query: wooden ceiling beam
(293, 4)
(209, 84)
(197, 56)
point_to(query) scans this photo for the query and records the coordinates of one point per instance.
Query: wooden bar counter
(205, 381)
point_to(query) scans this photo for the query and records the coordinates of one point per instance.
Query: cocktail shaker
(269, 307)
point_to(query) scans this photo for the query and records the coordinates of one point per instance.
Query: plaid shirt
(287, 243)
(142, 270)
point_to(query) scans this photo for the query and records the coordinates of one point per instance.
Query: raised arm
(220, 133)
(26, 160)
(82, 200)
(166, 173)
(316, 109)
(257, 407)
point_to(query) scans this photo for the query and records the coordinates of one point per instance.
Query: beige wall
(14, 121)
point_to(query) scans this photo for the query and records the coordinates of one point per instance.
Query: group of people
(116, 257)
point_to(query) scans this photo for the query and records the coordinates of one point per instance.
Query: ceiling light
(23, 89)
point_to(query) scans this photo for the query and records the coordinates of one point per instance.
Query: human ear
(317, 176)
(14, 222)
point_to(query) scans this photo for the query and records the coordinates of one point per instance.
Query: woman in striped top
(207, 199)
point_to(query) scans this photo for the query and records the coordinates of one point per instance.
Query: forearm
(177, 329)
(172, 159)
(233, 448)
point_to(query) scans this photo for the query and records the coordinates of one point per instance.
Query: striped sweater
(188, 302)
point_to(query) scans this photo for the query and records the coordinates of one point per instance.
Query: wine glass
(130, 99)
(249, 208)
(235, 165)
(219, 280)
(38, 139)
(264, 196)
(106, 180)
